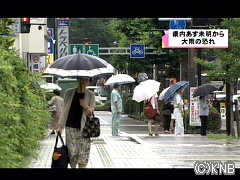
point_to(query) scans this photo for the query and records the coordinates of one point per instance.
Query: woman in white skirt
(178, 113)
(78, 104)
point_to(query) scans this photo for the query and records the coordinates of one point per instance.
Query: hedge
(24, 111)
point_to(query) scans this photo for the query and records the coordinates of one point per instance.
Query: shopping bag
(60, 158)
(92, 127)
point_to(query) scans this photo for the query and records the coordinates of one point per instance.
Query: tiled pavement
(106, 152)
(129, 151)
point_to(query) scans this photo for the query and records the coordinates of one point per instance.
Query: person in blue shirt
(116, 107)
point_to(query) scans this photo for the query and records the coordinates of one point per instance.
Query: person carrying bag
(60, 158)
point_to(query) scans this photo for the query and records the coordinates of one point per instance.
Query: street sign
(91, 49)
(177, 24)
(63, 22)
(50, 32)
(63, 41)
(223, 116)
(137, 51)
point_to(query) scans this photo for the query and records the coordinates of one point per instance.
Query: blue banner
(50, 32)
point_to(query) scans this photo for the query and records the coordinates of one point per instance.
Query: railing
(122, 51)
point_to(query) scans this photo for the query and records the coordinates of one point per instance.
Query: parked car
(99, 99)
(220, 97)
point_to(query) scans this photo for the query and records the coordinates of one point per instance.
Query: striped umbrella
(168, 96)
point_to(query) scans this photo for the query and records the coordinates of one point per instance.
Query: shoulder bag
(149, 112)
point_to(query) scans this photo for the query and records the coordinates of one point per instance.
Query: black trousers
(204, 123)
(167, 121)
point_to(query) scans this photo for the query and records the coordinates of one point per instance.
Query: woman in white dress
(178, 113)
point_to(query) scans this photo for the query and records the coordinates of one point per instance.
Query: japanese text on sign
(194, 109)
(195, 38)
(63, 41)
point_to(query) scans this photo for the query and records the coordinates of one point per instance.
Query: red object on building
(25, 20)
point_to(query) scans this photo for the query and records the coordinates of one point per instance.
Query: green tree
(229, 64)
(146, 31)
(23, 110)
(94, 30)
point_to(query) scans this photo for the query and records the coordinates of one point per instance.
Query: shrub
(104, 107)
(24, 111)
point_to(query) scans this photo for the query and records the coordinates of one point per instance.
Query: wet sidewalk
(125, 151)
(136, 149)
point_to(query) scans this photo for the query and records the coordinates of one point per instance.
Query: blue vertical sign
(50, 32)
(137, 51)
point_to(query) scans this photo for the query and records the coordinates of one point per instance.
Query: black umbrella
(204, 90)
(80, 65)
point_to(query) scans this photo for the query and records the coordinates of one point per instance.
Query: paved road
(178, 151)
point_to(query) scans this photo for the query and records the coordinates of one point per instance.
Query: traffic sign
(63, 22)
(177, 24)
(137, 51)
(91, 49)
(50, 32)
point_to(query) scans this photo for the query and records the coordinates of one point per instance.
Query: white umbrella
(120, 79)
(50, 86)
(145, 90)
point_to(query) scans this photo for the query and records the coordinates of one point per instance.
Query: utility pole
(199, 69)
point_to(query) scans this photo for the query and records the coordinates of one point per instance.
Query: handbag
(149, 112)
(92, 127)
(60, 158)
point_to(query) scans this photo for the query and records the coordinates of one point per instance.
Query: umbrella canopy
(204, 90)
(80, 65)
(145, 90)
(161, 95)
(168, 96)
(120, 79)
(50, 86)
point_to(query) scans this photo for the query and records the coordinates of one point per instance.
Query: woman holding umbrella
(174, 94)
(203, 91)
(178, 113)
(203, 113)
(79, 103)
(152, 87)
